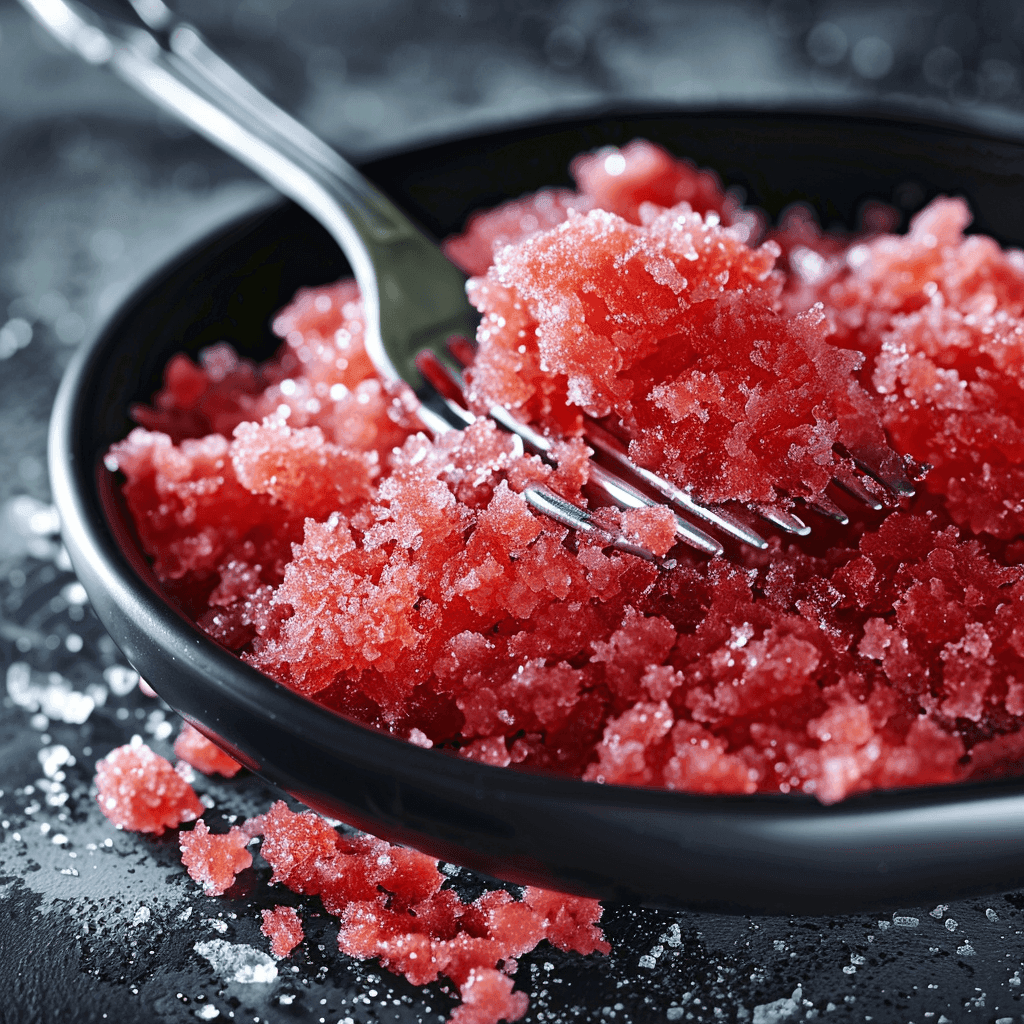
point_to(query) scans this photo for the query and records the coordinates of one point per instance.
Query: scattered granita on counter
(202, 754)
(392, 906)
(391, 902)
(214, 860)
(140, 791)
(283, 926)
(432, 602)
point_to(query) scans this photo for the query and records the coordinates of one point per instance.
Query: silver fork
(414, 298)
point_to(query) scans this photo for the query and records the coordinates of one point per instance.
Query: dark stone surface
(96, 190)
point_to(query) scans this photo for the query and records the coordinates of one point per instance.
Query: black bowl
(762, 853)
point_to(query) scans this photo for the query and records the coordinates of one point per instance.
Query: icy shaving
(301, 514)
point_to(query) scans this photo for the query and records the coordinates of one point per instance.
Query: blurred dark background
(377, 74)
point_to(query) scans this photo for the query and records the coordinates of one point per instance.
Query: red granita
(620, 181)
(213, 397)
(941, 315)
(202, 754)
(283, 926)
(490, 230)
(405, 581)
(140, 791)
(214, 860)
(669, 331)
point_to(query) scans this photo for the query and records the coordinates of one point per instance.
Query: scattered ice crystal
(121, 680)
(15, 334)
(54, 758)
(240, 963)
(74, 593)
(55, 698)
(779, 1010)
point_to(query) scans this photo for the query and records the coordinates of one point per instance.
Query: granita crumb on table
(202, 754)
(392, 903)
(392, 906)
(296, 511)
(140, 790)
(214, 860)
(283, 926)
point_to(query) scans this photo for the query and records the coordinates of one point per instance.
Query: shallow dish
(762, 853)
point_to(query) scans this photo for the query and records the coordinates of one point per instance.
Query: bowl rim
(96, 550)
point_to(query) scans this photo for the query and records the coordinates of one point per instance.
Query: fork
(414, 298)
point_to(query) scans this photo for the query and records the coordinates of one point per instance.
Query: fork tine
(445, 384)
(879, 463)
(599, 439)
(435, 423)
(783, 519)
(619, 492)
(885, 466)
(825, 506)
(565, 512)
(462, 349)
(440, 377)
(845, 479)
(629, 497)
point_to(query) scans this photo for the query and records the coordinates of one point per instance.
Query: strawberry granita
(139, 790)
(202, 754)
(283, 926)
(303, 517)
(940, 315)
(214, 860)
(393, 905)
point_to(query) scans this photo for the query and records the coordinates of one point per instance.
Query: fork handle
(168, 62)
